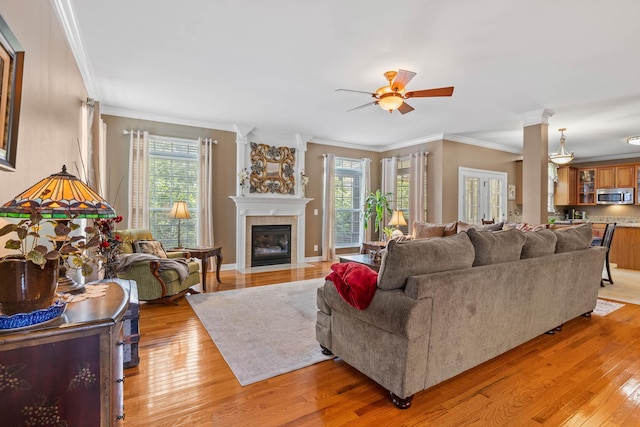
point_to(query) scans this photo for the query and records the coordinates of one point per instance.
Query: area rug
(263, 331)
(604, 307)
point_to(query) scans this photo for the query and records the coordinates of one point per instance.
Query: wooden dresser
(67, 371)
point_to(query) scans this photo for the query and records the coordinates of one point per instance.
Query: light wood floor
(586, 375)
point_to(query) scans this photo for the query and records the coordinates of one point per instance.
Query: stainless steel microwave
(614, 196)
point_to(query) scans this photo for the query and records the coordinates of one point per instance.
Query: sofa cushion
(573, 238)
(539, 243)
(422, 256)
(422, 230)
(356, 283)
(494, 247)
(153, 247)
(463, 226)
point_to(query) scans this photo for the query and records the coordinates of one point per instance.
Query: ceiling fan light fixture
(633, 140)
(390, 101)
(562, 157)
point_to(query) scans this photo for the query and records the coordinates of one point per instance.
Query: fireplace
(270, 245)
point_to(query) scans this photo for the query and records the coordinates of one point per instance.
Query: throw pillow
(494, 247)
(403, 260)
(539, 243)
(424, 230)
(355, 283)
(573, 238)
(152, 247)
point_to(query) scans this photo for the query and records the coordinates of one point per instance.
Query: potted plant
(376, 205)
(30, 277)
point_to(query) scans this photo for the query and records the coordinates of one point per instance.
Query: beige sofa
(445, 305)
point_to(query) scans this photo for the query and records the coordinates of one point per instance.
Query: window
(482, 195)
(348, 200)
(173, 176)
(402, 191)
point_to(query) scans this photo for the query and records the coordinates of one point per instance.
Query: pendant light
(562, 157)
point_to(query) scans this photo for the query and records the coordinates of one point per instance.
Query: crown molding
(536, 117)
(121, 112)
(69, 23)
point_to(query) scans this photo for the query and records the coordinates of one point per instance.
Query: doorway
(482, 195)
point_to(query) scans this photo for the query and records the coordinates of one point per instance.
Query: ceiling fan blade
(405, 108)
(357, 91)
(363, 106)
(402, 78)
(443, 91)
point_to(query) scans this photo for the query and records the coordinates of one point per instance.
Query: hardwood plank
(587, 374)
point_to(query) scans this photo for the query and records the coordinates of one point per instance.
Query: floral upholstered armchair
(161, 276)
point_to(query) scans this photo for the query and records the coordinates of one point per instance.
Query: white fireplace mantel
(268, 206)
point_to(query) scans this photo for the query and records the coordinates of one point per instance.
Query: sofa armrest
(178, 254)
(392, 311)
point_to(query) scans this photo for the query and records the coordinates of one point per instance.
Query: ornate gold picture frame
(272, 169)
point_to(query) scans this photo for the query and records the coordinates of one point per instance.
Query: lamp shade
(397, 219)
(180, 210)
(390, 101)
(562, 157)
(59, 196)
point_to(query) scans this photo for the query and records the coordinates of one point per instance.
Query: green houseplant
(32, 274)
(376, 205)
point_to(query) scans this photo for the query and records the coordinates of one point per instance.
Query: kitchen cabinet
(587, 186)
(67, 371)
(637, 184)
(616, 176)
(566, 189)
(625, 247)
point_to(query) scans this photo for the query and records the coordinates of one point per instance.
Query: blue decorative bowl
(25, 320)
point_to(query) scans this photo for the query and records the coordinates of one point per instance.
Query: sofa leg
(326, 351)
(587, 314)
(558, 328)
(551, 332)
(400, 402)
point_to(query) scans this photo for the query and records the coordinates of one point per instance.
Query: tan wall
(224, 159)
(315, 170)
(50, 115)
(443, 161)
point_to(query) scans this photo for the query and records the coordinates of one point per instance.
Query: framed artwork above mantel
(11, 67)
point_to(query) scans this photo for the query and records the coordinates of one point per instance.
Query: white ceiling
(274, 65)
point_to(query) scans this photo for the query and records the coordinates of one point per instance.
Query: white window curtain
(329, 211)
(389, 177)
(138, 215)
(417, 188)
(551, 188)
(365, 235)
(205, 199)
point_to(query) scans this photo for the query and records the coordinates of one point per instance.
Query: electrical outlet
(315, 212)
(315, 248)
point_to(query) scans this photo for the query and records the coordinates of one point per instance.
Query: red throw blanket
(356, 283)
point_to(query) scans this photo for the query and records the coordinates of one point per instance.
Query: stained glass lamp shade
(59, 196)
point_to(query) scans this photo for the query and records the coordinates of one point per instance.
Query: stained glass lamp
(59, 196)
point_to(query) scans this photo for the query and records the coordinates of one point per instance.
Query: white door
(482, 195)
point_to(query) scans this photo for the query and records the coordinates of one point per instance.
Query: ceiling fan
(392, 97)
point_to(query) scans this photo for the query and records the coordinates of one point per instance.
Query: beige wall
(443, 161)
(50, 115)
(315, 170)
(224, 174)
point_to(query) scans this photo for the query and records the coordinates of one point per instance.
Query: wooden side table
(204, 253)
(361, 259)
(369, 247)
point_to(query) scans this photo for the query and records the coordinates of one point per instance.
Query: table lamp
(179, 211)
(60, 197)
(397, 219)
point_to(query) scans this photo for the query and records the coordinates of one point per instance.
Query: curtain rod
(128, 132)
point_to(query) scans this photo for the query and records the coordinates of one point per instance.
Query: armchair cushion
(152, 247)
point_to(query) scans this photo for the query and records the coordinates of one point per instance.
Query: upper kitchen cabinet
(616, 176)
(587, 186)
(566, 191)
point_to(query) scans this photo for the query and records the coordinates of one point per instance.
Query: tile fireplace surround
(269, 210)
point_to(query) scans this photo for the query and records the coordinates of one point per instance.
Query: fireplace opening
(270, 245)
